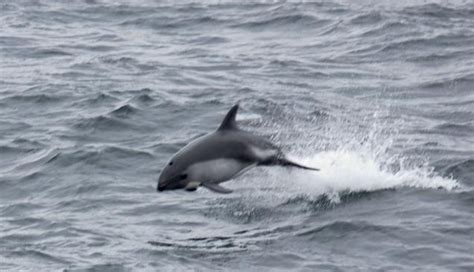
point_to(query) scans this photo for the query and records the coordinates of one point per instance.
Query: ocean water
(95, 96)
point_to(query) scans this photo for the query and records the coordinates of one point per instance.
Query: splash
(363, 151)
(343, 171)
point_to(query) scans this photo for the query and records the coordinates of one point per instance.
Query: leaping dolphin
(219, 156)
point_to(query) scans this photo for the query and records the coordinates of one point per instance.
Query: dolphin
(220, 156)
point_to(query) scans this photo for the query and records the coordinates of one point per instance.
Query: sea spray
(343, 171)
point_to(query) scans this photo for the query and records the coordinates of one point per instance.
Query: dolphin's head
(182, 172)
(174, 175)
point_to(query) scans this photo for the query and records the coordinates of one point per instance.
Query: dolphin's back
(235, 144)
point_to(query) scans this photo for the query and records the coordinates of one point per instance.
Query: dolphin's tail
(285, 162)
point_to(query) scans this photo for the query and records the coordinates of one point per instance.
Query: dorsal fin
(229, 120)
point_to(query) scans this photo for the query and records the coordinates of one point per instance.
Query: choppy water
(95, 96)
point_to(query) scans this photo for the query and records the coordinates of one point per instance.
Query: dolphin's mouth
(161, 187)
(172, 183)
(167, 186)
(190, 186)
(164, 185)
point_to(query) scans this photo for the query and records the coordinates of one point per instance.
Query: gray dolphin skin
(220, 156)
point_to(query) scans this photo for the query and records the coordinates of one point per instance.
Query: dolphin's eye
(183, 176)
(171, 163)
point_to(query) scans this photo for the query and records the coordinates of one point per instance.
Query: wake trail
(349, 171)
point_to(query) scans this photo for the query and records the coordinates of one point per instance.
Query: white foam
(349, 171)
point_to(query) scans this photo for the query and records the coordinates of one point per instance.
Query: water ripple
(95, 96)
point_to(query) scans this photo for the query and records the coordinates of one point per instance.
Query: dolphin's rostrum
(220, 156)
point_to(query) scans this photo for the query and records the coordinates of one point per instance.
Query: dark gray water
(95, 96)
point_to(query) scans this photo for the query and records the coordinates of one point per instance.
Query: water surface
(95, 96)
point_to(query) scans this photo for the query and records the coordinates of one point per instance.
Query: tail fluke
(285, 162)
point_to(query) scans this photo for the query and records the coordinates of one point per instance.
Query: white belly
(216, 171)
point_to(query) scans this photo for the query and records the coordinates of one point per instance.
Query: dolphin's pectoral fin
(192, 186)
(216, 188)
